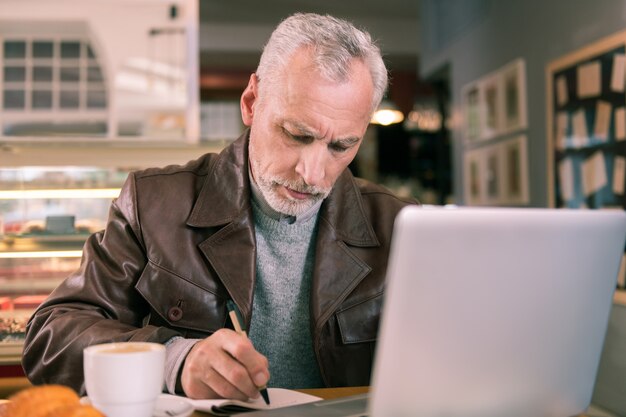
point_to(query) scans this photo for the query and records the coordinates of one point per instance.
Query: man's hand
(224, 365)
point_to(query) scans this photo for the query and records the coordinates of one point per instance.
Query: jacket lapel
(338, 271)
(224, 204)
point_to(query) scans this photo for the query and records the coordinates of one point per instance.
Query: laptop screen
(494, 311)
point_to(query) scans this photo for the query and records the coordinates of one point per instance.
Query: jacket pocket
(179, 302)
(359, 323)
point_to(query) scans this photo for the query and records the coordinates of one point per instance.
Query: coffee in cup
(124, 379)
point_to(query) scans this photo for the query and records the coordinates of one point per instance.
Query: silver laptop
(491, 312)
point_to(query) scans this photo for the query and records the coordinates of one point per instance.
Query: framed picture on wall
(495, 105)
(496, 160)
(515, 170)
(586, 121)
(514, 92)
(471, 106)
(492, 106)
(493, 174)
(497, 174)
(474, 178)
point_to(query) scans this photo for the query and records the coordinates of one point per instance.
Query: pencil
(235, 317)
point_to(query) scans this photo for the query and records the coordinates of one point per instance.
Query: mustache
(302, 187)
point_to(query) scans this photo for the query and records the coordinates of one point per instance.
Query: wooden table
(327, 394)
(10, 385)
(330, 393)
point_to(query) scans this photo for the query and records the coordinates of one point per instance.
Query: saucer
(170, 406)
(166, 406)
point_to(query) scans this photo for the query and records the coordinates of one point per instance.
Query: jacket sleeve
(96, 304)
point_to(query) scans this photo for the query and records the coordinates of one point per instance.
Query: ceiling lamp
(387, 114)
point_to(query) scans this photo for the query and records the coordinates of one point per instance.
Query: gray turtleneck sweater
(280, 327)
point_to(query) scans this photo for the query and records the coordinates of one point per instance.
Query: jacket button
(175, 313)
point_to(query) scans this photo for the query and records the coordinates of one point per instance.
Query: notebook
(174, 405)
(490, 312)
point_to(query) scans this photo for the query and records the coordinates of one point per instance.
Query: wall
(475, 37)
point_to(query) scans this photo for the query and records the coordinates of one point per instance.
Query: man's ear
(249, 98)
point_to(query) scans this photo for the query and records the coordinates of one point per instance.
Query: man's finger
(257, 366)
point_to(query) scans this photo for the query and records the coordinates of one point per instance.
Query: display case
(52, 197)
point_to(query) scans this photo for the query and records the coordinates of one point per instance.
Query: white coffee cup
(124, 379)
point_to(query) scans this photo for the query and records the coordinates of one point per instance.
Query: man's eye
(338, 148)
(298, 138)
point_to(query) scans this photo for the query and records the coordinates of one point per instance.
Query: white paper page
(566, 179)
(620, 123)
(561, 90)
(594, 173)
(617, 73)
(279, 397)
(589, 84)
(561, 128)
(619, 170)
(580, 138)
(603, 117)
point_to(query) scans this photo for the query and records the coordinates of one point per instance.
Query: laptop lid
(495, 312)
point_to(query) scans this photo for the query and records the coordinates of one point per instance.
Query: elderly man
(275, 222)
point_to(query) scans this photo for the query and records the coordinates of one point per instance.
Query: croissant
(75, 410)
(47, 401)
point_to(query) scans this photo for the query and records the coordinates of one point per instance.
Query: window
(41, 75)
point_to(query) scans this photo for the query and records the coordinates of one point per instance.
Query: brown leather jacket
(180, 241)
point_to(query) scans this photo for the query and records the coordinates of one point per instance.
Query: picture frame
(491, 106)
(493, 174)
(497, 174)
(495, 105)
(495, 157)
(514, 96)
(474, 178)
(514, 158)
(472, 112)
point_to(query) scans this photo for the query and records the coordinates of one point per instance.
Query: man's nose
(312, 163)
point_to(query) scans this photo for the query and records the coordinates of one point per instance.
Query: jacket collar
(225, 197)
(343, 211)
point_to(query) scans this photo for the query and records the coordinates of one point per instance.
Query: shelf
(94, 152)
(34, 285)
(11, 344)
(62, 194)
(61, 246)
(11, 352)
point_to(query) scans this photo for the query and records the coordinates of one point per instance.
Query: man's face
(305, 131)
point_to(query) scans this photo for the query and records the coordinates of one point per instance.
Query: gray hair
(335, 42)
